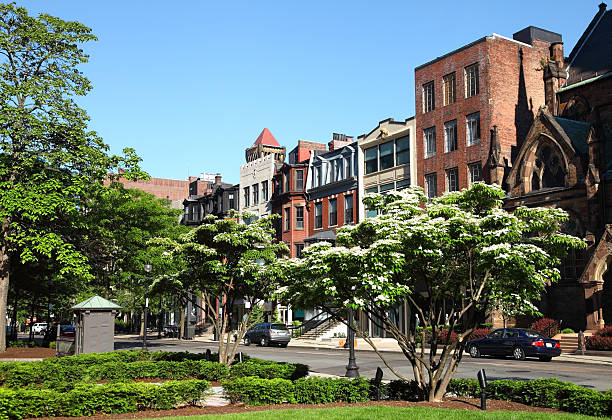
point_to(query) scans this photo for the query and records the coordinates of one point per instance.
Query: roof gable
(266, 138)
(96, 302)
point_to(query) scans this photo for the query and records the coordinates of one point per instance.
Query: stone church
(565, 161)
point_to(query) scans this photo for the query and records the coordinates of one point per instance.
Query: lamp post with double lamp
(147, 269)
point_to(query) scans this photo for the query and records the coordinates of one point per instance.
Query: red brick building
(491, 87)
(289, 197)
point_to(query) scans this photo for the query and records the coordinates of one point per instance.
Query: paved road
(333, 362)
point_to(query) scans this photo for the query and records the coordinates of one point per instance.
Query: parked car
(516, 342)
(266, 333)
(39, 328)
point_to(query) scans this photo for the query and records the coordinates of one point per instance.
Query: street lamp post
(352, 370)
(147, 269)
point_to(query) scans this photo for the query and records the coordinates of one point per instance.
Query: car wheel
(247, 341)
(283, 345)
(518, 353)
(474, 351)
(264, 342)
(545, 358)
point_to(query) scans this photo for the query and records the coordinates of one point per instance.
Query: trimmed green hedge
(266, 369)
(549, 393)
(88, 399)
(257, 391)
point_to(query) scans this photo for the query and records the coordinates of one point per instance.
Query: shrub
(257, 391)
(604, 332)
(546, 327)
(266, 369)
(404, 391)
(567, 331)
(445, 338)
(86, 400)
(596, 342)
(479, 333)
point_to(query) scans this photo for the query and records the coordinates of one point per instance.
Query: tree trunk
(182, 322)
(4, 285)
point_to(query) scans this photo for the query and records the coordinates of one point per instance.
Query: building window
(428, 97)
(318, 175)
(475, 172)
(299, 249)
(402, 150)
(371, 160)
(255, 193)
(431, 185)
(287, 218)
(333, 212)
(287, 184)
(471, 80)
(318, 215)
(429, 140)
(232, 203)
(299, 218)
(386, 155)
(472, 129)
(348, 209)
(404, 183)
(348, 167)
(264, 191)
(299, 180)
(371, 212)
(452, 179)
(387, 187)
(247, 196)
(448, 83)
(450, 136)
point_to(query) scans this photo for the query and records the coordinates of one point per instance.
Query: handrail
(311, 324)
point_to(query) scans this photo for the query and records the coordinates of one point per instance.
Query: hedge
(88, 399)
(266, 369)
(257, 391)
(601, 340)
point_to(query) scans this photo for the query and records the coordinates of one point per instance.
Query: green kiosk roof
(95, 302)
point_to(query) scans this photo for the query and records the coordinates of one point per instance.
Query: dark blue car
(516, 342)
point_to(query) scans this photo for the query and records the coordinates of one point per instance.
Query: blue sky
(191, 84)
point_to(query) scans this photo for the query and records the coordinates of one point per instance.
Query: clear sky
(191, 84)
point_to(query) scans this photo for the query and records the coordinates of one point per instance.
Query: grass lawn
(382, 412)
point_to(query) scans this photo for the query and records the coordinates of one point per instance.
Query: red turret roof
(266, 138)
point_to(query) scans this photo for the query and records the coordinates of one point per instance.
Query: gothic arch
(576, 108)
(544, 165)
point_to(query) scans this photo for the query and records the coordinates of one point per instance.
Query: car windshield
(532, 334)
(278, 327)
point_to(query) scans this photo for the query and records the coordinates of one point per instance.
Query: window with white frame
(450, 136)
(348, 209)
(471, 80)
(299, 249)
(332, 171)
(371, 160)
(429, 140)
(333, 212)
(452, 179)
(472, 129)
(287, 183)
(429, 103)
(431, 185)
(475, 170)
(299, 179)
(318, 215)
(348, 167)
(402, 150)
(287, 219)
(299, 217)
(386, 155)
(337, 169)
(247, 196)
(264, 191)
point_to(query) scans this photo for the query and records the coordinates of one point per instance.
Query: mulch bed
(453, 403)
(27, 353)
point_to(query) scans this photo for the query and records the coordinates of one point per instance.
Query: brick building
(332, 189)
(492, 86)
(565, 161)
(173, 190)
(289, 197)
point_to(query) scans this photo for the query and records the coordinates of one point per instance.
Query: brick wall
(340, 209)
(507, 98)
(169, 189)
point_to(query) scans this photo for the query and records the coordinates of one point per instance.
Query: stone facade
(398, 172)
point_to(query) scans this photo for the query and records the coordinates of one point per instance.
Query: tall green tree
(230, 262)
(452, 260)
(49, 160)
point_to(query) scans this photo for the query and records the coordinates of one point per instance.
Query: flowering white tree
(451, 260)
(229, 261)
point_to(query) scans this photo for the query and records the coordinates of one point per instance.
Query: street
(333, 362)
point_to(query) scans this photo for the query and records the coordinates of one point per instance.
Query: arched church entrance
(606, 297)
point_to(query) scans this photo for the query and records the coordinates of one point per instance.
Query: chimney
(556, 53)
(339, 141)
(218, 179)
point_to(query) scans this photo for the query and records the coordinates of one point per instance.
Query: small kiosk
(95, 325)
